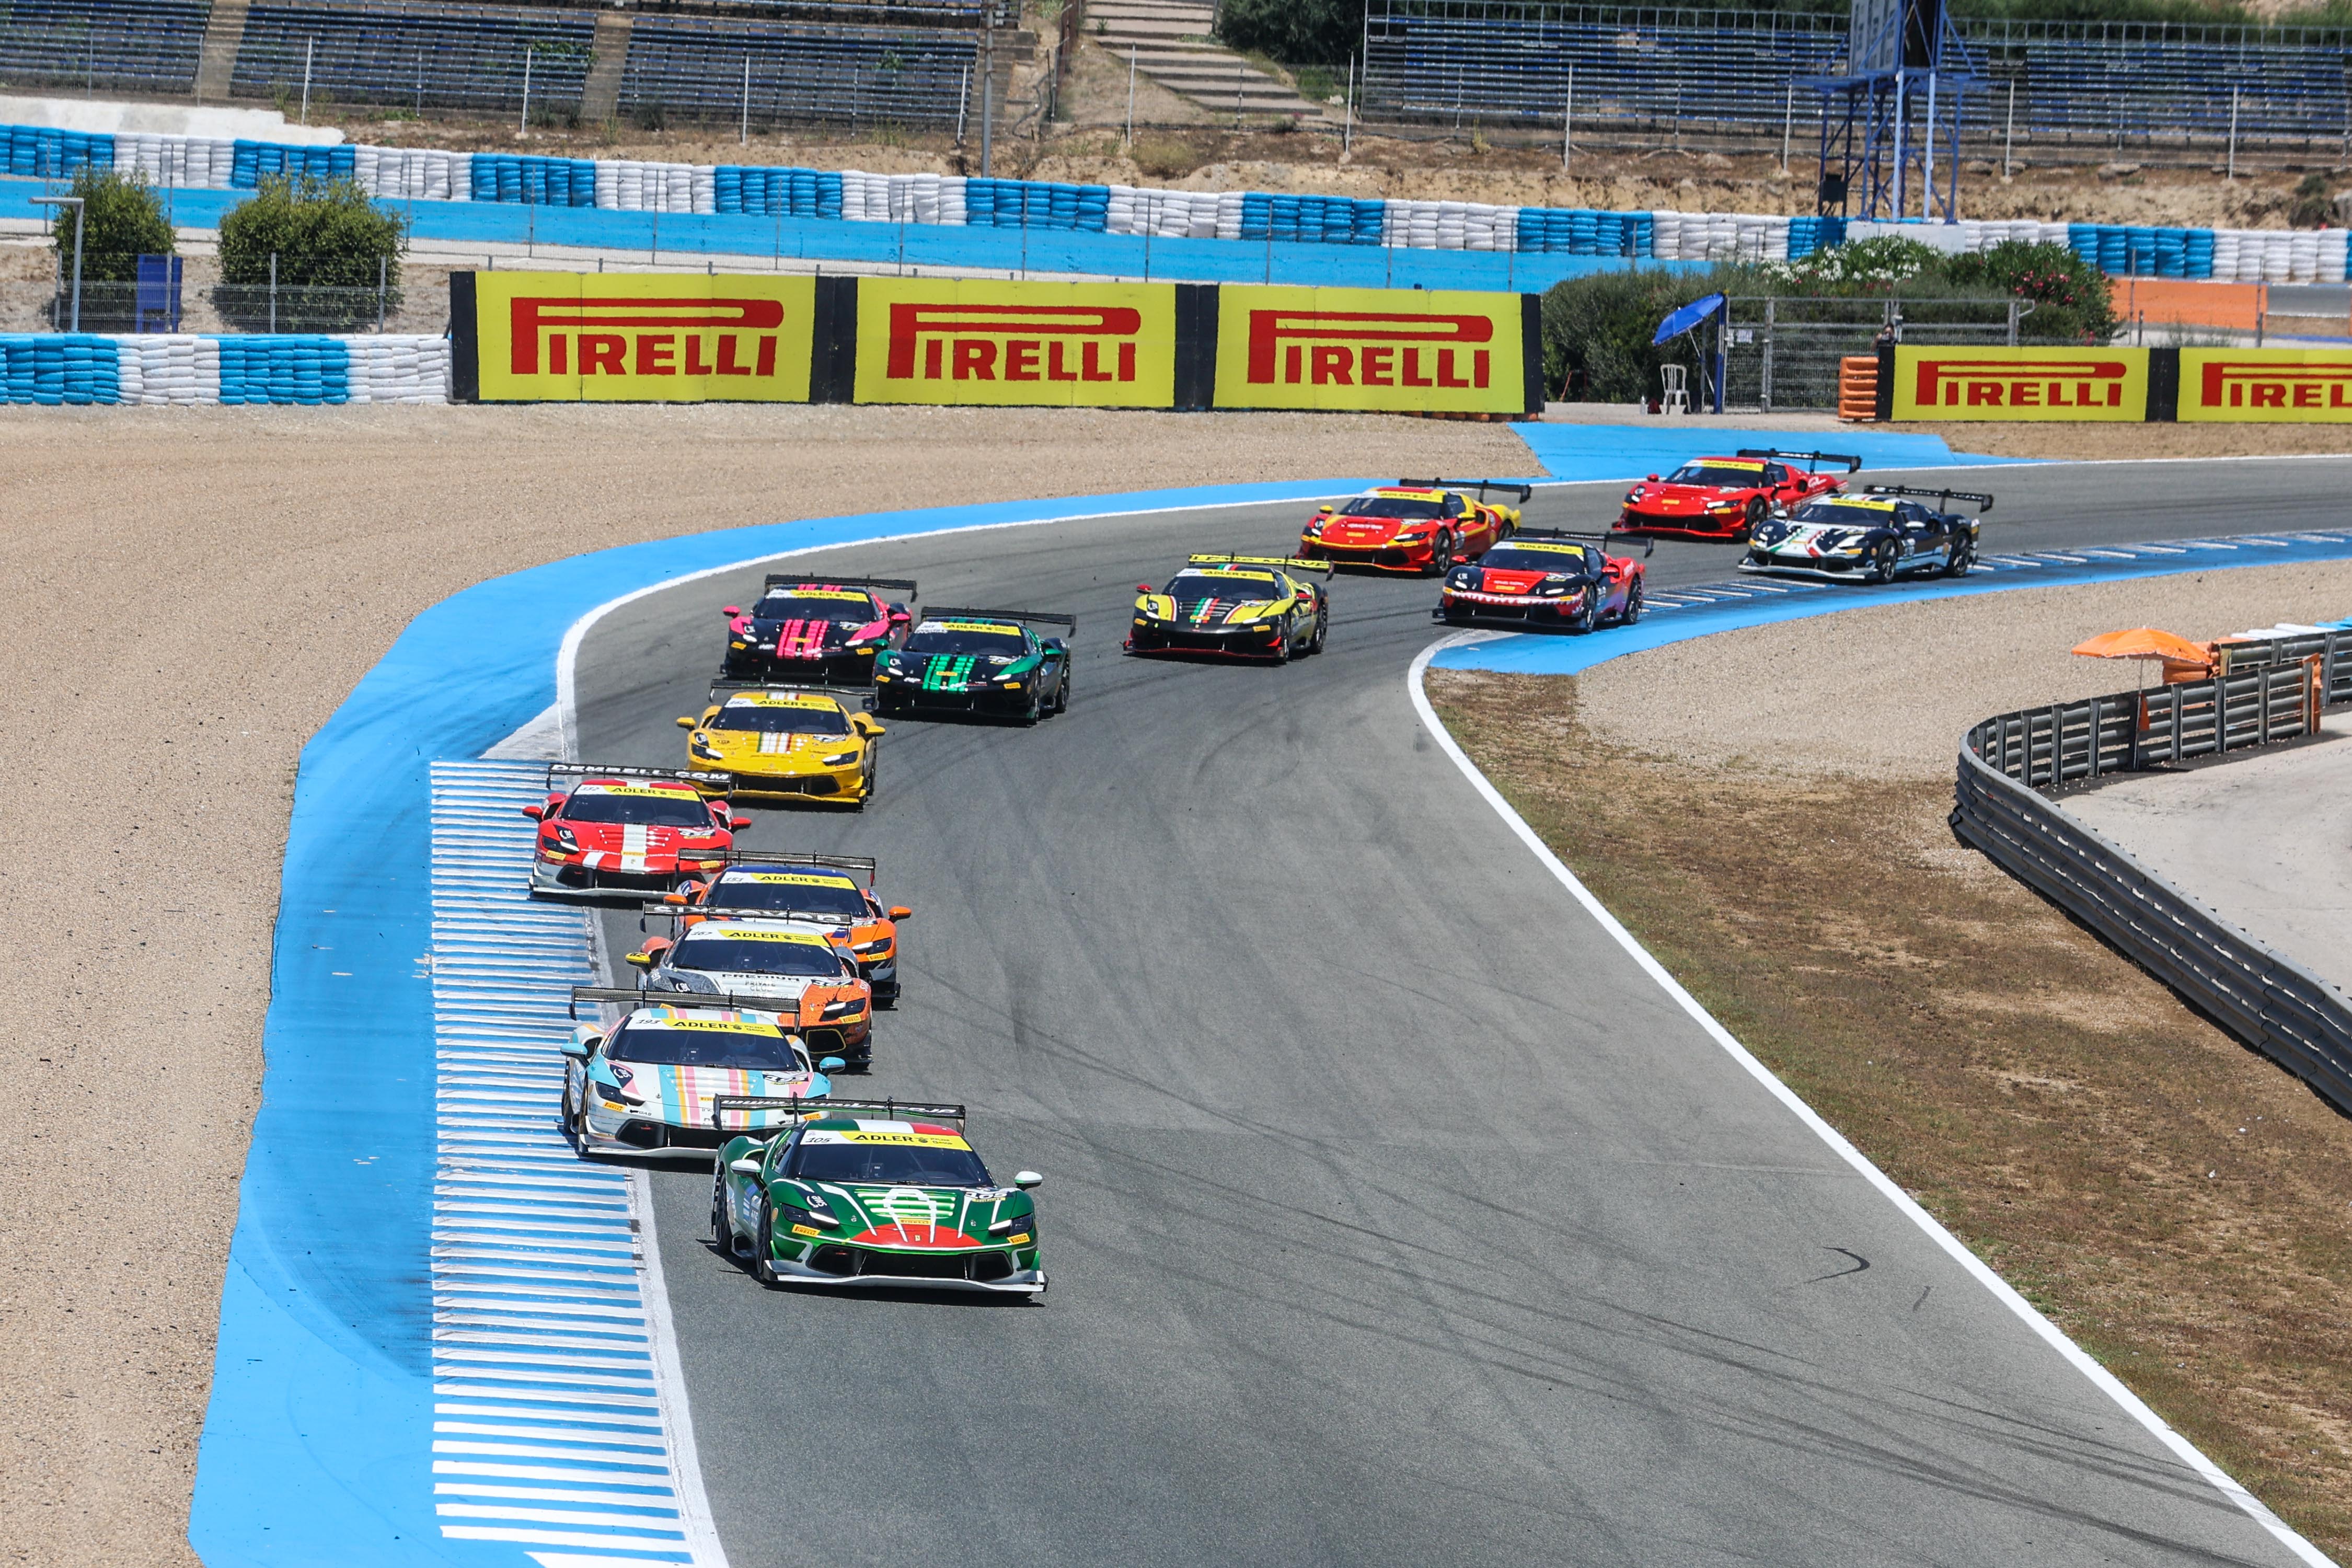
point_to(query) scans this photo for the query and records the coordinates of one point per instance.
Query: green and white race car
(874, 1193)
(991, 662)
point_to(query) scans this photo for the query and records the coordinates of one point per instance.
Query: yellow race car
(811, 742)
(1240, 607)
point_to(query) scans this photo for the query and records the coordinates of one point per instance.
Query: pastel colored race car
(1243, 607)
(1413, 525)
(979, 661)
(648, 1082)
(1545, 576)
(795, 742)
(640, 830)
(802, 969)
(875, 1193)
(822, 629)
(1725, 498)
(1875, 537)
(822, 889)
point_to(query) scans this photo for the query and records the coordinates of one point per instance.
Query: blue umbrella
(1689, 316)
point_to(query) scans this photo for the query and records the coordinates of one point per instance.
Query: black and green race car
(873, 1192)
(979, 661)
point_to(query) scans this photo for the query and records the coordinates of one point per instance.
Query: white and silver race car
(653, 1080)
(806, 970)
(1875, 537)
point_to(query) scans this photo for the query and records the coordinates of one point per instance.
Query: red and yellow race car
(1724, 498)
(1546, 577)
(634, 830)
(802, 886)
(1413, 525)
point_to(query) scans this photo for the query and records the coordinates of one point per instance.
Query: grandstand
(141, 46)
(1644, 75)
(418, 54)
(696, 68)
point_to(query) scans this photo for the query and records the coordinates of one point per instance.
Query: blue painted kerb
(316, 1443)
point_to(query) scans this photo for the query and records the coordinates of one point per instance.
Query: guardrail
(2275, 692)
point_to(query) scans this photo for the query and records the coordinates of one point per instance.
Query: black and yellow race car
(1241, 607)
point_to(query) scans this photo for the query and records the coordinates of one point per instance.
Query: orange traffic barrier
(1858, 387)
(2191, 302)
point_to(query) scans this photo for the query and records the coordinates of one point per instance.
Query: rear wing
(791, 1105)
(1501, 487)
(745, 912)
(965, 612)
(1649, 545)
(854, 864)
(862, 697)
(889, 1109)
(721, 782)
(1984, 503)
(1287, 562)
(797, 580)
(641, 996)
(1810, 460)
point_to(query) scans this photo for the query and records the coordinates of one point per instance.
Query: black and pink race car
(826, 630)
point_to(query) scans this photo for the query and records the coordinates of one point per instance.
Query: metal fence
(2272, 1003)
(203, 302)
(416, 54)
(147, 47)
(1642, 75)
(1783, 353)
(698, 69)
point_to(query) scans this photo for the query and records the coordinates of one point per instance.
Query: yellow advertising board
(645, 337)
(995, 341)
(1939, 381)
(2283, 386)
(1404, 350)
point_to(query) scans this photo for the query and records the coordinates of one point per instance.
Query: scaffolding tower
(1891, 128)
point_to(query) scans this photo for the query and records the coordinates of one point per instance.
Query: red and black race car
(640, 830)
(1413, 525)
(1546, 577)
(1724, 498)
(825, 629)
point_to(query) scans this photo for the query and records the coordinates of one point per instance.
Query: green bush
(326, 235)
(1295, 32)
(1597, 331)
(126, 222)
(2072, 302)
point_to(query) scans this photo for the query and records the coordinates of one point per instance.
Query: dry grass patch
(2174, 1201)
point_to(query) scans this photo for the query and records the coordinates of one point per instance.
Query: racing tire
(763, 1268)
(1589, 615)
(1758, 509)
(1633, 610)
(1963, 557)
(575, 1124)
(1029, 716)
(1315, 643)
(1282, 649)
(1062, 693)
(1440, 555)
(1884, 562)
(722, 1235)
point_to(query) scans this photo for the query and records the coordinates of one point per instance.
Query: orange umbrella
(2182, 660)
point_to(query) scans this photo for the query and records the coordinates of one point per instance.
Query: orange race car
(780, 885)
(1413, 525)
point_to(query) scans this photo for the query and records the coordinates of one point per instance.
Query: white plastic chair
(1677, 394)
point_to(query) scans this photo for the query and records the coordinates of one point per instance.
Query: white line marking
(2050, 1332)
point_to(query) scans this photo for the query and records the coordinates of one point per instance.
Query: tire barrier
(2252, 256)
(2265, 999)
(59, 368)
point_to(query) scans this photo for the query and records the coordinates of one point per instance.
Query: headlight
(1020, 1224)
(839, 759)
(702, 748)
(877, 945)
(563, 838)
(1313, 530)
(1723, 506)
(845, 1007)
(1411, 535)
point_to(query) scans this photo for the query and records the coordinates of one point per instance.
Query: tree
(1597, 331)
(331, 246)
(1295, 32)
(126, 222)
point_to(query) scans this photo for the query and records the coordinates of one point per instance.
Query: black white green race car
(1876, 536)
(873, 1192)
(979, 661)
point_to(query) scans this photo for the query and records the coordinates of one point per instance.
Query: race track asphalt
(1393, 1216)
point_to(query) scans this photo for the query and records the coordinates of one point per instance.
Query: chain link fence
(1783, 353)
(38, 294)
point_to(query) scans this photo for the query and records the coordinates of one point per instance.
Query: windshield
(1229, 586)
(967, 637)
(759, 1047)
(650, 809)
(810, 891)
(893, 1162)
(1742, 475)
(1567, 558)
(794, 720)
(853, 607)
(1393, 506)
(1851, 513)
(755, 955)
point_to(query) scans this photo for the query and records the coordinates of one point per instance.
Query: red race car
(1546, 577)
(1413, 525)
(1723, 497)
(639, 830)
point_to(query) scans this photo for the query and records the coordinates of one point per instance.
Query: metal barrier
(2270, 1002)
(696, 67)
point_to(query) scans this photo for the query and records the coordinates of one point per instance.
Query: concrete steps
(1170, 42)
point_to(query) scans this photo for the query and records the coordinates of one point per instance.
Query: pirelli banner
(2160, 384)
(525, 337)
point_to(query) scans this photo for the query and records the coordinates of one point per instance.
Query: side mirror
(640, 960)
(730, 611)
(683, 722)
(535, 813)
(744, 1167)
(900, 614)
(1143, 587)
(578, 1051)
(1026, 1179)
(831, 1064)
(736, 819)
(677, 897)
(1651, 479)
(864, 725)
(900, 911)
